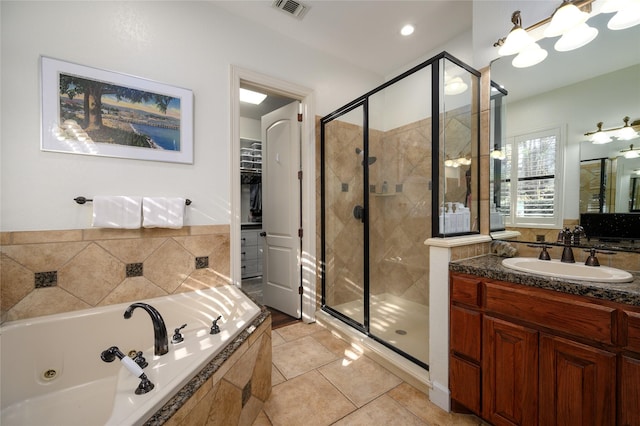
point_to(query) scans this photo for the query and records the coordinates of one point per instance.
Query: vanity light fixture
(568, 20)
(454, 85)
(631, 152)
(626, 132)
(627, 13)
(497, 154)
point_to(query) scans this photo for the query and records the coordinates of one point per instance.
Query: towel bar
(82, 200)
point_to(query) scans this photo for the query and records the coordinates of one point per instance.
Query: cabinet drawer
(466, 332)
(465, 383)
(465, 290)
(562, 313)
(633, 330)
(249, 238)
(249, 253)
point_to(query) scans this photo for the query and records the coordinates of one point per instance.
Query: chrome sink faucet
(160, 339)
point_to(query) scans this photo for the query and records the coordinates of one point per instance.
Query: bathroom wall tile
(38, 237)
(131, 250)
(209, 229)
(242, 371)
(201, 279)
(250, 412)
(262, 420)
(361, 380)
(45, 301)
(16, 282)
(169, 266)
(261, 378)
(92, 234)
(264, 328)
(184, 412)
(484, 178)
(319, 397)
(202, 245)
(199, 415)
(226, 406)
(92, 274)
(46, 279)
(131, 290)
(164, 232)
(6, 238)
(44, 257)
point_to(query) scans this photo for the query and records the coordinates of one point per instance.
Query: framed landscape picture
(96, 112)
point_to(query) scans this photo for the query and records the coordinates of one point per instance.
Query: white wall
(186, 44)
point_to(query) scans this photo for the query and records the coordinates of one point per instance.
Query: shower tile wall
(91, 266)
(401, 218)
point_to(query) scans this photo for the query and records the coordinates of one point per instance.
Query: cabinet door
(629, 392)
(577, 383)
(510, 373)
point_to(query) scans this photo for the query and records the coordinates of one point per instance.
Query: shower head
(370, 161)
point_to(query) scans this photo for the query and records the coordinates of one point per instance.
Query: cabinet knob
(263, 234)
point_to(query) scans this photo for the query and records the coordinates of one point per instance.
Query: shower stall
(398, 165)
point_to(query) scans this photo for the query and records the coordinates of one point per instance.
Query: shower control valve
(177, 336)
(215, 329)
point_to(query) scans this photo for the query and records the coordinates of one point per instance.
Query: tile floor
(319, 379)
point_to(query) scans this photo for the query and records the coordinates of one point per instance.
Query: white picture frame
(91, 111)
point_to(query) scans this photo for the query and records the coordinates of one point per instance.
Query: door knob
(263, 234)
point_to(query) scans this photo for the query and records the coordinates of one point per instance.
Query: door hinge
(299, 174)
(300, 118)
(300, 232)
(300, 290)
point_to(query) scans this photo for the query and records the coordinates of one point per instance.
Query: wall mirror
(573, 91)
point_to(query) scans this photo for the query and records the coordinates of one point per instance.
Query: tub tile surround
(46, 272)
(231, 389)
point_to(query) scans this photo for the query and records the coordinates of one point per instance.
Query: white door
(281, 210)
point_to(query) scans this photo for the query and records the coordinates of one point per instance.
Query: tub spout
(160, 339)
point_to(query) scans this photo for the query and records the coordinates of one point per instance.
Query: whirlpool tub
(53, 374)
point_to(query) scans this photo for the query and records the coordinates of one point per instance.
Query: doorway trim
(308, 199)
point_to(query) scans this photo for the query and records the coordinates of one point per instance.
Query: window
(531, 190)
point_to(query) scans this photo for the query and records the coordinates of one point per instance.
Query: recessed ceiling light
(251, 97)
(407, 30)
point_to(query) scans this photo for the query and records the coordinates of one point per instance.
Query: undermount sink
(573, 271)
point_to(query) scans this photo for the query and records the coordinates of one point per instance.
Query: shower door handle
(358, 213)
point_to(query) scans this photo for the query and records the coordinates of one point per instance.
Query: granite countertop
(490, 266)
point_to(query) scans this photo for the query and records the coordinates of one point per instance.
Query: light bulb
(600, 138)
(529, 56)
(565, 18)
(575, 38)
(626, 133)
(517, 40)
(627, 17)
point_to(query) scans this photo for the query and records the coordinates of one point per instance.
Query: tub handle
(177, 337)
(215, 329)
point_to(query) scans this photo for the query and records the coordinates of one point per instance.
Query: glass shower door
(344, 216)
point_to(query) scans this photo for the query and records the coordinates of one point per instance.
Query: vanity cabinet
(521, 355)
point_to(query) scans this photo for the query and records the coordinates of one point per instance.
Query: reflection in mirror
(635, 194)
(574, 91)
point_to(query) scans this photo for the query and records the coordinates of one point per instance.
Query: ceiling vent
(291, 7)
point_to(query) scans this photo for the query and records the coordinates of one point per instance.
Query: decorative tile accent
(134, 270)
(46, 279)
(202, 262)
(246, 393)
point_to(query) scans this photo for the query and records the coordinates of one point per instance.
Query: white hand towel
(163, 212)
(117, 212)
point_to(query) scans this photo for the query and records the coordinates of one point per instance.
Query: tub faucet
(160, 339)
